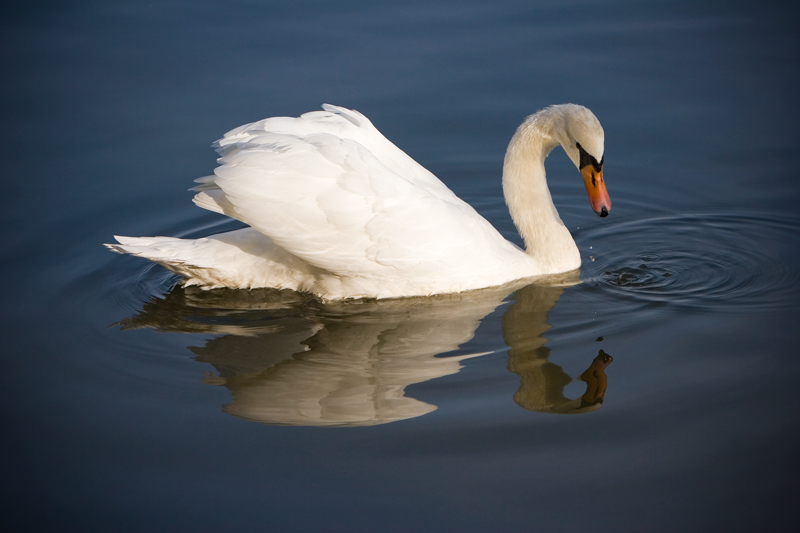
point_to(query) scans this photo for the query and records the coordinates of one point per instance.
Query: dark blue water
(132, 404)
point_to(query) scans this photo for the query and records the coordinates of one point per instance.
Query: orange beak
(596, 189)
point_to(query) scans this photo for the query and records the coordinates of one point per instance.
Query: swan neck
(528, 197)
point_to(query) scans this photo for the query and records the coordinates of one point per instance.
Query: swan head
(583, 139)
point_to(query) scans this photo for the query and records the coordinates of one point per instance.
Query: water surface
(655, 392)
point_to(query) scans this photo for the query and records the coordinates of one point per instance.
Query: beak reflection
(596, 380)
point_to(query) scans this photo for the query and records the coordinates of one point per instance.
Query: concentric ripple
(735, 263)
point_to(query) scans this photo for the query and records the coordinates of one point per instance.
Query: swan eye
(588, 159)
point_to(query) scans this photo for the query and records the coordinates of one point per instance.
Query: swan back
(342, 123)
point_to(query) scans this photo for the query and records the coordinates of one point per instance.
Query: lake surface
(655, 393)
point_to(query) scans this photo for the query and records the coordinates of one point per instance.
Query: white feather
(336, 209)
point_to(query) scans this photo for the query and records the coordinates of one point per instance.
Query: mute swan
(337, 210)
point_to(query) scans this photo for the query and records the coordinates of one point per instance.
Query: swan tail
(178, 255)
(159, 249)
(242, 259)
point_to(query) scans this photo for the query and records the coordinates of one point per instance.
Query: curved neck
(525, 188)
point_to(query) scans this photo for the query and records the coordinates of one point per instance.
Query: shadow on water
(293, 360)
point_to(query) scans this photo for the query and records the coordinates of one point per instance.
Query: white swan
(337, 210)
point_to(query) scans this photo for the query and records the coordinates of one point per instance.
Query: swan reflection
(542, 382)
(293, 360)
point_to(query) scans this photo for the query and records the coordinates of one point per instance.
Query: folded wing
(330, 189)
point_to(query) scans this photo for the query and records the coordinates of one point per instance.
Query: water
(132, 404)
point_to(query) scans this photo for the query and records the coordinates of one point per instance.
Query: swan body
(337, 210)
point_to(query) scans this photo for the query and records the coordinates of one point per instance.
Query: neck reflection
(541, 381)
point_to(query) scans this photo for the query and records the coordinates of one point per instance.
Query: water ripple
(711, 261)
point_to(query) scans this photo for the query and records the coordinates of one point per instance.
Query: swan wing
(331, 190)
